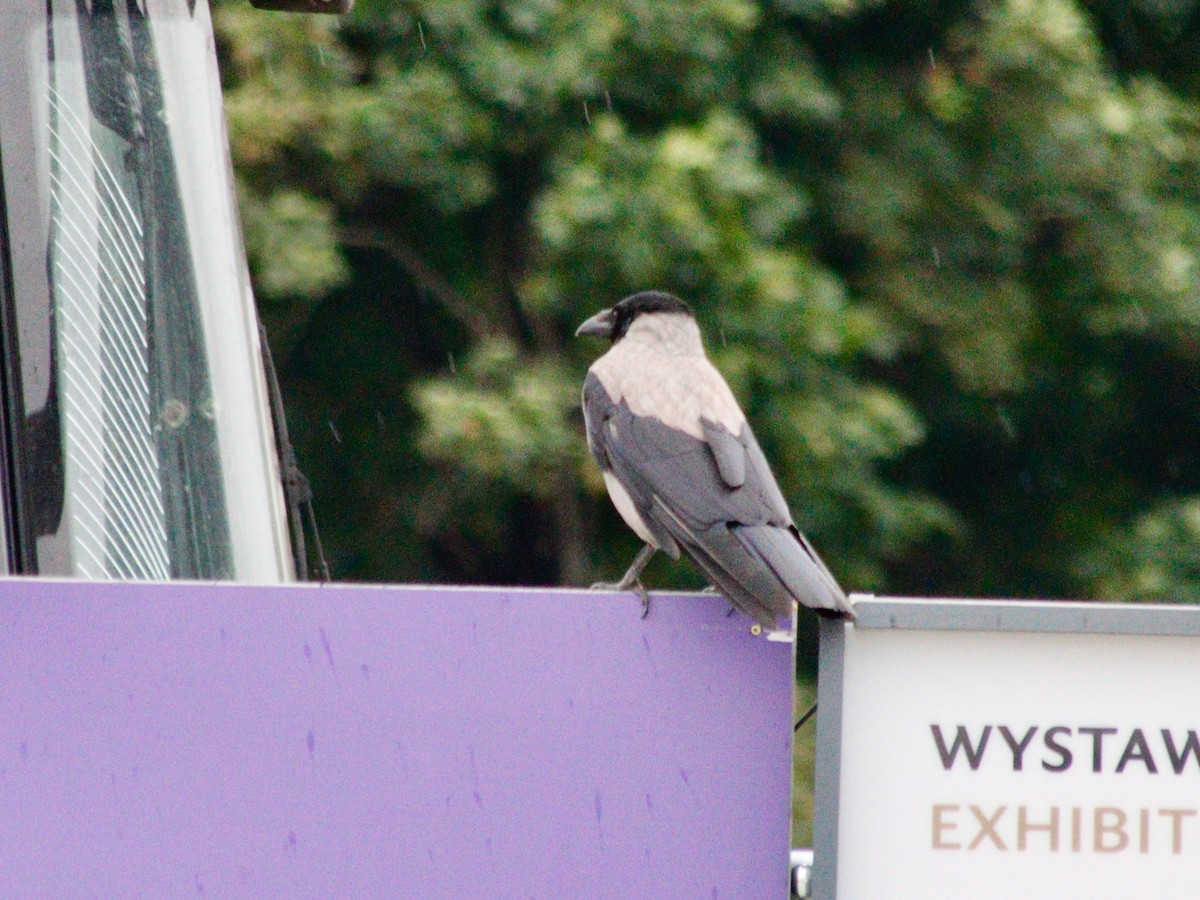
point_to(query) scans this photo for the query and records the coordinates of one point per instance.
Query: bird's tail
(796, 566)
(763, 570)
(737, 577)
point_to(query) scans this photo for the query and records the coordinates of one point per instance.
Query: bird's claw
(644, 596)
(713, 589)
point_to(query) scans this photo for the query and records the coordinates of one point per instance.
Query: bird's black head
(613, 323)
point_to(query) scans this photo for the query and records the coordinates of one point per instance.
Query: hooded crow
(684, 470)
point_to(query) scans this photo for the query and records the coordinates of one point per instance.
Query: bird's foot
(636, 586)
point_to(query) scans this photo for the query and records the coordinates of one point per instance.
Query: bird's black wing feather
(758, 462)
(740, 535)
(597, 408)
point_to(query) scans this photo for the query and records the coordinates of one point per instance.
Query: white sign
(1010, 763)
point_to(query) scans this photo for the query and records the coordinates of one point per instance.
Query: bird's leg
(632, 579)
(632, 574)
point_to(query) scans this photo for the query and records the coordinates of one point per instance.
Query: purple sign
(170, 740)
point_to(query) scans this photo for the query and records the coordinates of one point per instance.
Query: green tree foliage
(944, 252)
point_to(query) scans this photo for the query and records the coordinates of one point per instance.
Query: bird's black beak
(599, 325)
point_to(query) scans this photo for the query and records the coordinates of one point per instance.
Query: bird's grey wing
(601, 417)
(741, 536)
